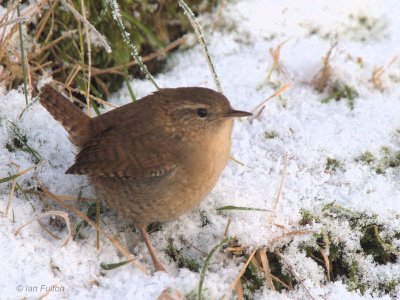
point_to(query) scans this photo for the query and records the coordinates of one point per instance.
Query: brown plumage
(154, 159)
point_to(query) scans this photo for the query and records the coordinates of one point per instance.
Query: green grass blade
(206, 263)
(108, 267)
(9, 178)
(231, 207)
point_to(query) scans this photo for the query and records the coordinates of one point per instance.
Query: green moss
(307, 218)
(251, 281)
(340, 91)
(373, 245)
(277, 270)
(270, 134)
(154, 227)
(338, 265)
(176, 255)
(352, 279)
(332, 164)
(366, 158)
(389, 159)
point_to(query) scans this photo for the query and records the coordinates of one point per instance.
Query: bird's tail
(75, 121)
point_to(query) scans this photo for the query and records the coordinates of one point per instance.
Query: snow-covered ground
(324, 144)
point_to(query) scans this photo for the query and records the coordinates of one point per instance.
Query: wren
(154, 159)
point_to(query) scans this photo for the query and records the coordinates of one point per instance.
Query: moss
(353, 279)
(338, 265)
(389, 159)
(251, 281)
(203, 218)
(332, 164)
(366, 158)
(307, 218)
(341, 262)
(270, 134)
(373, 245)
(340, 91)
(176, 255)
(278, 271)
(154, 227)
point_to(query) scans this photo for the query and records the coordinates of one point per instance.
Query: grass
(60, 29)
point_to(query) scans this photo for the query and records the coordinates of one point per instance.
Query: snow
(307, 132)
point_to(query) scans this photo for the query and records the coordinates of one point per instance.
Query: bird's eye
(202, 112)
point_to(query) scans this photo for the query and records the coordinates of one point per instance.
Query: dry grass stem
(17, 20)
(113, 241)
(276, 279)
(37, 52)
(235, 250)
(279, 193)
(266, 269)
(61, 214)
(11, 196)
(239, 290)
(299, 280)
(48, 231)
(276, 65)
(48, 292)
(237, 279)
(227, 228)
(98, 100)
(376, 78)
(260, 107)
(236, 161)
(325, 254)
(321, 79)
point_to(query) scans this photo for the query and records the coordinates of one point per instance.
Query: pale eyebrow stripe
(192, 105)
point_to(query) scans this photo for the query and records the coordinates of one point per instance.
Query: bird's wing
(138, 157)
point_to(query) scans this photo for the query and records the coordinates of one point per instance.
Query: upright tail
(75, 121)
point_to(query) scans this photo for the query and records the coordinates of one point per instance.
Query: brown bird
(154, 159)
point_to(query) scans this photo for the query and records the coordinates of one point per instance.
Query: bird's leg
(157, 264)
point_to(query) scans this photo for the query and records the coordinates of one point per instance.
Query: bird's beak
(237, 113)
